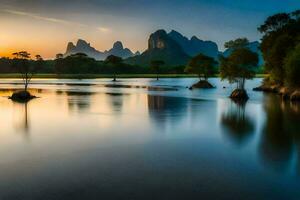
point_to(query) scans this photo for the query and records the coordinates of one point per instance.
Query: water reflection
(116, 101)
(78, 100)
(155, 136)
(236, 123)
(23, 123)
(280, 132)
(165, 110)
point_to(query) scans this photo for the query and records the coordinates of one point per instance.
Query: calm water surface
(146, 139)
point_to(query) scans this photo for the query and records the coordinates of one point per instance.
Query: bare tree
(25, 67)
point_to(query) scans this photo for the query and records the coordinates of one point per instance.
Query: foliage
(275, 22)
(238, 43)
(115, 62)
(25, 67)
(292, 68)
(203, 66)
(239, 66)
(75, 64)
(281, 33)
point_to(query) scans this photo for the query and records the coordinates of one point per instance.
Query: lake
(146, 139)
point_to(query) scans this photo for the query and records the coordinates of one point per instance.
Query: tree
(24, 66)
(292, 68)
(238, 43)
(239, 66)
(115, 62)
(275, 22)
(275, 55)
(155, 66)
(281, 33)
(203, 66)
(39, 63)
(58, 63)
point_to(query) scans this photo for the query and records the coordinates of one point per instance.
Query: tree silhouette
(203, 66)
(240, 65)
(155, 66)
(235, 44)
(115, 62)
(275, 22)
(24, 66)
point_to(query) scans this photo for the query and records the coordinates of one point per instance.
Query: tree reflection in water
(280, 132)
(165, 110)
(78, 101)
(24, 124)
(237, 125)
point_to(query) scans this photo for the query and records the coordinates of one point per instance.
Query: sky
(46, 26)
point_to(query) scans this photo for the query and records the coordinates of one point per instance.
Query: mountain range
(173, 48)
(83, 47)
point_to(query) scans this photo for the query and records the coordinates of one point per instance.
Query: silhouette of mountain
(161, 47)
(194, 46)
(119, 50)
(84, 47)
(254, 47)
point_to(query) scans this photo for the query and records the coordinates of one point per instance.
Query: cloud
(103, 29)
(48, 19)
(54, 20)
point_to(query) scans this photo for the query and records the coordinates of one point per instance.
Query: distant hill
(84, 47)
(161, 47)
(254, 47)
(194, 46)
(174, 49)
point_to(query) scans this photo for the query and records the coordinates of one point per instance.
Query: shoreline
(286, 93)
(95, 76)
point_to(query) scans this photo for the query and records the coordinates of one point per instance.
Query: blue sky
(52, 23)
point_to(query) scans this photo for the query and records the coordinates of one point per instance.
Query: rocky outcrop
(239, 95)
(287, 93)
(295, 96)
(161, 47)
(22, 96)
(119, 50)
(84, 47)
(268, 88)
(202, 84)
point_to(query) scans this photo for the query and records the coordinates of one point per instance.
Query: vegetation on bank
(110, 76)
(281, 49)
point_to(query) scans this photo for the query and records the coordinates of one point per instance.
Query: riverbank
(287, 93)
(92, 76)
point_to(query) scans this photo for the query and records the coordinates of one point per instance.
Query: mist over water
(146, 139)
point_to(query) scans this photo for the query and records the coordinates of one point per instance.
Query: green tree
(155, 66)
(203, 66)
(239, 66)
(281, 33)
(115, 62)
(292, 68)
(275, 56)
